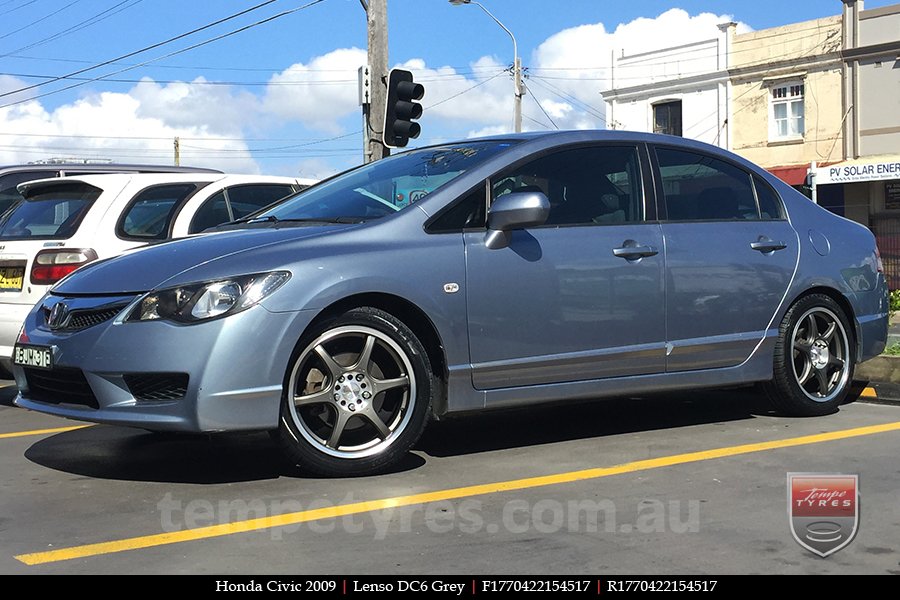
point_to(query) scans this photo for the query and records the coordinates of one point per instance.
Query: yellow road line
(869, 392)
(16, 434)
(200, 533)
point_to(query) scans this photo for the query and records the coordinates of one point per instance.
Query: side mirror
(516, 210)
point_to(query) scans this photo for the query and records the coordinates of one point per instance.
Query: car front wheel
(357, 395)
(814, 358)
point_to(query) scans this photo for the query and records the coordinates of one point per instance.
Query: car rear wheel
(357, 395)
(814, 358)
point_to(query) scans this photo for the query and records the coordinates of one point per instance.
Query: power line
(144, 49)
(435, 77)
(680, 52)
(540, 106)
(469, 89)
(6, 12)
(92, 20)
(169, 55)
(44, 18)
(457, 69)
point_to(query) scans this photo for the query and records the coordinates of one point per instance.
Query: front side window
(787, 112)
(52, 213)
(386, 186)
(149, 215)
(586, 186)
(699, 187)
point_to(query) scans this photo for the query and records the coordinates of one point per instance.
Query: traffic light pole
(373, 112)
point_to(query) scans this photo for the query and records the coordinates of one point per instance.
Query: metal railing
(887, 235)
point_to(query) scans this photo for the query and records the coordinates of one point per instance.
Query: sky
(274, 90)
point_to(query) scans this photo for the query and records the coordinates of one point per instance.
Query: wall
(692, 73)
(808, 52)
(879, 80)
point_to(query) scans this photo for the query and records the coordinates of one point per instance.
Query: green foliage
(894, 298)
(893, 349)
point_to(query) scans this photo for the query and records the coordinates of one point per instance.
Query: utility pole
(373, 112)
(517, 77)
(177, 152)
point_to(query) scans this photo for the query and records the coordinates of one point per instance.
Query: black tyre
(358, 393)
(814, 358)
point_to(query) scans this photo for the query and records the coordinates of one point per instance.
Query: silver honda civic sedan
(489, 273)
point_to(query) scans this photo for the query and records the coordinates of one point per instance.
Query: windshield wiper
(335, 220)
(274, 219)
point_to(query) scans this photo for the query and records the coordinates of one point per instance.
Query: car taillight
(878, 263)
(52, 265)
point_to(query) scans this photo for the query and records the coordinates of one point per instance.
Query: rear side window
(236, 203)
(55, 213)
(769, 203)
(699, 187)
(149, 215)
(9, 195)
(246, 199)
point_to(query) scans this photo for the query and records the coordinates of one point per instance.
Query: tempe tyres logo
(823, 510)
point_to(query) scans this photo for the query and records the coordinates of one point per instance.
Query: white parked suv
(66, 222)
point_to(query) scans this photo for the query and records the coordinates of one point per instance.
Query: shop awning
(870, 168)
(793, 175)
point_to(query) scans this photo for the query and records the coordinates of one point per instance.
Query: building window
(786, 117)
(667, 118)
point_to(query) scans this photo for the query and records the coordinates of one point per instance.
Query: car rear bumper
(11, 318)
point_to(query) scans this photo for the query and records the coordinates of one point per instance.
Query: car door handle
(634, 252)
(767, 246)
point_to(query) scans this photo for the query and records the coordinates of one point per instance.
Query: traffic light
(401, 109)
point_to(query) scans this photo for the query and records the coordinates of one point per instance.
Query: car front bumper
(235, 368)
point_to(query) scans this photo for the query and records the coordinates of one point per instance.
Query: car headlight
(207, 300)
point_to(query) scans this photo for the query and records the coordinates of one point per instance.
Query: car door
(580, 297)
(730, 258)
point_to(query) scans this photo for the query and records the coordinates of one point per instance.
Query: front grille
(88, 318)
(151, 387)
(82, 319)
(61, 385)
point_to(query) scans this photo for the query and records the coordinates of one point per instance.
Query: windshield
(386, 186)
(55, 213)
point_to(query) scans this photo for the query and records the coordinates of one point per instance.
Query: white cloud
(139, 126)
(329, 90)
(314, 168)
(182, 104)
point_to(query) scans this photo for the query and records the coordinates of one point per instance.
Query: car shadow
(8, 391)
(548, 424)
(120, 453)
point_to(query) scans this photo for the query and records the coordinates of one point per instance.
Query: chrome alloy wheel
(820, 354)
(353, 392)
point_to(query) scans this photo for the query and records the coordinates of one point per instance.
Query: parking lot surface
(691, 482)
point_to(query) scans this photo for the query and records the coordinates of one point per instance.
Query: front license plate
(39, 357)
(11, 278)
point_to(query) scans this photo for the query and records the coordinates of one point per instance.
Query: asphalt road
(611, 487)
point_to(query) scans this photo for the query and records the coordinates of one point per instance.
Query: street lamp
(517, 64)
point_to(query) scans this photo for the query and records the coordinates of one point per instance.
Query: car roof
(103, 167)
(120, 180)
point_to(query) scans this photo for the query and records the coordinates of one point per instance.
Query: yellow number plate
(11, 278)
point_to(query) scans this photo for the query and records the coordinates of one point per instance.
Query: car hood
(149, 267)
